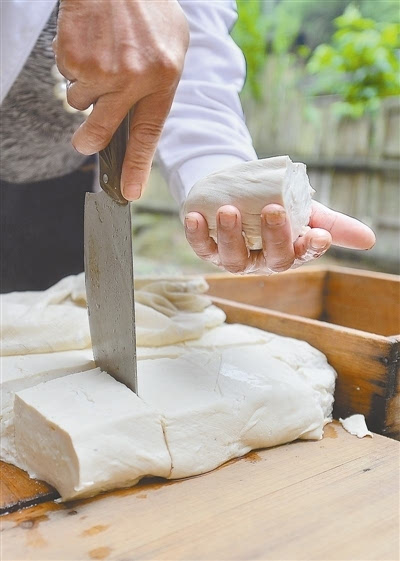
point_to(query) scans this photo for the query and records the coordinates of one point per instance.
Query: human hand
(279, 253)
(117, 55)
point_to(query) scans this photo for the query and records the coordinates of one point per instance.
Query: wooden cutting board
(18, 491)
(332, 499)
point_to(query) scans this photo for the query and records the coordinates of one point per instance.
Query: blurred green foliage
(356, 60)
(250, 34)
(361, 63)
(317, 16)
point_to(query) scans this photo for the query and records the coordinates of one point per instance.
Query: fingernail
(318, 245)
(191, 223)
(132, 191)
(227, 220)
(276, 218)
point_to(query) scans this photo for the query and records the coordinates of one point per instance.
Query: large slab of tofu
(208, 391)
(85, 432)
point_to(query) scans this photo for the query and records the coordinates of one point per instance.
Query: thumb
(345, 230)
(147, 122)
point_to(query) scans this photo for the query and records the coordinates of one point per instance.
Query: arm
(205, 132)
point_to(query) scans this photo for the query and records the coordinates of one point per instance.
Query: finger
(146, 126)
(277, 238)
(79, 97)
(196, 230)
(231, 245)
(96, 132)
(312, 245)
(345, 231)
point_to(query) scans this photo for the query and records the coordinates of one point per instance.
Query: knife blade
(109, 267)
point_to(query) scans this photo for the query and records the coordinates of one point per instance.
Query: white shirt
(205, 130)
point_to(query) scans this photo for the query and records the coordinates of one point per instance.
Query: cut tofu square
(25, 371)
(86, 433)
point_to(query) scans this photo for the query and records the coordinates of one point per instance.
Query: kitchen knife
(109, 267)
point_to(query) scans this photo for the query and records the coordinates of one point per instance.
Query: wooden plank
(358, 302)
(392, 141)
(361, 360)
(393, 413)
(332, 499)
(365, 302)
(17, 490)
(294, 292)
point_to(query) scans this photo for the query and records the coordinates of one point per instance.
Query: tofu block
(230, 335)
(86, 433)
(197, 408)
(25, 371)
(220, 405)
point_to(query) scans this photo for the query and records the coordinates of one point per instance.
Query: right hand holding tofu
(326, 227)
(117, 55)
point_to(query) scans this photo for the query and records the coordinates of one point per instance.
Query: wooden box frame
(352, 316)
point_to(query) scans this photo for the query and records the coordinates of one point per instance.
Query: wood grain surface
(298, 292)
(17, 490)
(335, 499)
(363, 300)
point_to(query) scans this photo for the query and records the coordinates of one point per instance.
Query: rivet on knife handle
(111, 160)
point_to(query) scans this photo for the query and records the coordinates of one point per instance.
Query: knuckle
(279, 266)
(72, 59)
(147, 134)
(202, 250)
(129, 68)
(227, 243)
(234, 268)
(97, 134)
(331, 222)
(74, 102)
(205, 255)
(169, 65)
(278, 243)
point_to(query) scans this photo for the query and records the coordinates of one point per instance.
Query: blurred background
(323, 85)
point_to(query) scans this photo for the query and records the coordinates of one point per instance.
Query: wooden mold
(352, 316)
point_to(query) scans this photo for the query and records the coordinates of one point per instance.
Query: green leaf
(361, 64)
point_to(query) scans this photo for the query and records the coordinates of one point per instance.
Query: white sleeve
(20, 24)
(205, 131)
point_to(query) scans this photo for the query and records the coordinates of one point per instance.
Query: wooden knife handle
(111, 160)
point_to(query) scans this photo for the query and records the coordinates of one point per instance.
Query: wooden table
(335, 499)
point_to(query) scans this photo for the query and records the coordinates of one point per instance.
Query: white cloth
(56, 319)
(205, 131)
